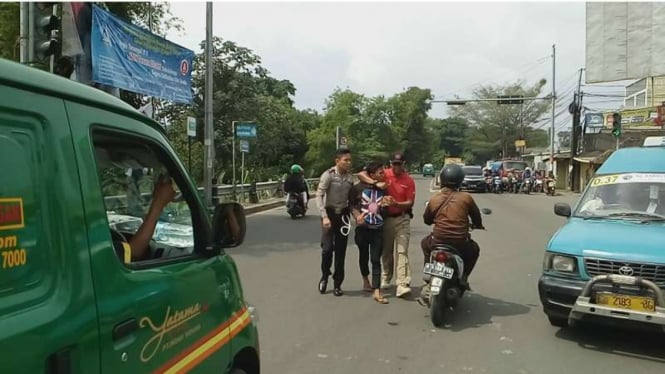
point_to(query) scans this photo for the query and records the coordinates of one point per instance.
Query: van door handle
(124, 328)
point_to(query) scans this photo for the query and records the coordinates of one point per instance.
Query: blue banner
(129, 57)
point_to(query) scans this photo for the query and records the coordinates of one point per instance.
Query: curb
(262, 207)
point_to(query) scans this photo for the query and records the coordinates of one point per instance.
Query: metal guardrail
(245, 193)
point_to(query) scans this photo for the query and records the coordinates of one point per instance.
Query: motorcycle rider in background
(449, 212)
(295, 183)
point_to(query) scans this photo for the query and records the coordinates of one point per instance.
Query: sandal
(381, 300)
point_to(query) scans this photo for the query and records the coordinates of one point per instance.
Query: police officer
(332, 199)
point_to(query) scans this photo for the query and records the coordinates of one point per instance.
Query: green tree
(9, 30)
(495, 127)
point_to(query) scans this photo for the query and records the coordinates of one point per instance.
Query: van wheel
(237, 371)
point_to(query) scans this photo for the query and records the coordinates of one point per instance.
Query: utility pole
(553, 106)
(575, 135)
(24, 31)
(209, 137)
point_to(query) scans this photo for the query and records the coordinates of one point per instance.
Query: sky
(382, 48)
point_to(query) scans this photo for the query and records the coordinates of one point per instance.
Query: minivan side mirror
(562, 209)
(229, 225)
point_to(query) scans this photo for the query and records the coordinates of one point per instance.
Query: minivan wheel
(237, 371)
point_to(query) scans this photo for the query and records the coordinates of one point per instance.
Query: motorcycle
(498, 185)
(295, 205)
(538, 187)
(526, 186)
(551, 187)
(443, 273)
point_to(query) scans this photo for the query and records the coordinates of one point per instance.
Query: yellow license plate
(636, 303)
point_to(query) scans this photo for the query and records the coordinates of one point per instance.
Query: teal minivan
(94, 279)
(607, 263)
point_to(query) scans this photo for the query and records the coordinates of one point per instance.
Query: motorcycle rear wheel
(438, 309)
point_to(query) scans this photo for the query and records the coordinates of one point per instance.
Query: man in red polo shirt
(397, 224)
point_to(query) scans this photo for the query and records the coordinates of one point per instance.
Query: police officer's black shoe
(323, 285)
(338, 292)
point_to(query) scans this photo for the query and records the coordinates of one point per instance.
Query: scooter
(551, 187)
(498, 185)
(443, 273)
(295, 205)
(526, 186)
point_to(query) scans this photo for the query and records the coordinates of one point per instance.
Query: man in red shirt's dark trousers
(397, 225)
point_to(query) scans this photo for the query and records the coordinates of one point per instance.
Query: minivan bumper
(571, 299)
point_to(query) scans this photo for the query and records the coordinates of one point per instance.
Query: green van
(79, 167)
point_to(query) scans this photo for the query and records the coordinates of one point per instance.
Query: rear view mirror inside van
(229, 225)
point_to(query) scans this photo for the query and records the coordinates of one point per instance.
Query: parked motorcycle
(443, 273)
(295, 205)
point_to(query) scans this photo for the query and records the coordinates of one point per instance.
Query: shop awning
(595, 157)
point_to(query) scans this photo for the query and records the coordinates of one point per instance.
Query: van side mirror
(562, 209)
(229, 225)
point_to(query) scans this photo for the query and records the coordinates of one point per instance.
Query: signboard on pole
(246, 130)
(244, 146)
(191, 127)
(132, 58)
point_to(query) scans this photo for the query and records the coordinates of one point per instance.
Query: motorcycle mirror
(486, 211)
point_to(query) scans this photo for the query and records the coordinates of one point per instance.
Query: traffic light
(616, 124)
(45, 38)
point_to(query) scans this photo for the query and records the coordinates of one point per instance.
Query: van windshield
(517, 165)
(624, 196)
(472, 170)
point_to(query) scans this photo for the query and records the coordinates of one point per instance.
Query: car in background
(473, 178)
(428, 170)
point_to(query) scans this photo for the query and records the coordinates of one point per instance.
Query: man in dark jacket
(295, 183)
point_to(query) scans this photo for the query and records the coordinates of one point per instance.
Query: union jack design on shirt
(370, 204)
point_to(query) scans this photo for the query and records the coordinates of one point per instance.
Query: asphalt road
(497, 328)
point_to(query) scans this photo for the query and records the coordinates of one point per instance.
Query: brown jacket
(452, 221)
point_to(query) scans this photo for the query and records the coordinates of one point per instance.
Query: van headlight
(253, 313)
(559, 263)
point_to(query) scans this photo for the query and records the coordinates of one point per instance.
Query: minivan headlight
(559, 263)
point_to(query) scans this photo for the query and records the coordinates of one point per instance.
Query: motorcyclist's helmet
(451, 176)
(296, 169)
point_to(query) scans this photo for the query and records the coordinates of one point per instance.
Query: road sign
(244, 146)
(191, 127)
(246, 130)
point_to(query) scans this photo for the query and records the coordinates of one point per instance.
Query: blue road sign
(246, 130)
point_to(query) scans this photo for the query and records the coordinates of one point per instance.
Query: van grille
(652, 272)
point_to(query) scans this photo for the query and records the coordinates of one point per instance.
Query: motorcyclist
(526, 175)
(295, 184)
(449, 212)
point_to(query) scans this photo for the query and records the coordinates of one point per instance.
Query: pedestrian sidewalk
(251, 208)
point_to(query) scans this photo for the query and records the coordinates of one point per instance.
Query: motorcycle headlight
(559, 263)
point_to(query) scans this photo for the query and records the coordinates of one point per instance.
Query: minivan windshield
(624, 196)
(517, 165)
(472, 170)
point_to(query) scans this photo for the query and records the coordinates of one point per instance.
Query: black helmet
(452, 175)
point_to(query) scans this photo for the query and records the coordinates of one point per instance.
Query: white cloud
(383, 48)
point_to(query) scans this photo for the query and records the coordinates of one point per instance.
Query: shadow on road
(642, 345)
(475, 310)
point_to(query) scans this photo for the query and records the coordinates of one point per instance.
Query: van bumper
(558, 295)
(571, 299)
